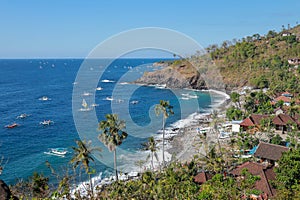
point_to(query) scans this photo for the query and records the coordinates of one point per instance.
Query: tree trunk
(91, 187)
(152, 161)
(163, 146)
(115, 164)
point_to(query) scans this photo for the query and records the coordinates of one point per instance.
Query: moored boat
(13, 125)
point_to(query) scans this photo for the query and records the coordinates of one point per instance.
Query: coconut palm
(151, 145)
(166, 109)
(82, 156)
(112, 135)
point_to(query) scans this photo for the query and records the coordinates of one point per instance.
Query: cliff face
(182, 75)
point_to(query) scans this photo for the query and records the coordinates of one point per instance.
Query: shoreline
(180, 139)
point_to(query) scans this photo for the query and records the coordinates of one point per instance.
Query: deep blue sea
(24, 81)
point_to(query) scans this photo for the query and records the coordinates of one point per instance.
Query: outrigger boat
(46, 122)
(22, 116)
(12, 125)
(57, 152)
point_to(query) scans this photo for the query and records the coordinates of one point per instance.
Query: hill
(258, 61)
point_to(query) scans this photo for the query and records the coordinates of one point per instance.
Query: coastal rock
(5, 193)
(182, 75)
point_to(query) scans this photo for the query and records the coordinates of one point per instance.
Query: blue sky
(57, 28)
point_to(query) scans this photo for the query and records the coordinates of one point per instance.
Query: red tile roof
(253, 120)
(270, 151)
(283, 120)
(202, 177)
(283, 98)
(256, 169)
(247, 122)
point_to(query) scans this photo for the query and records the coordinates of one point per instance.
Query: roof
(202, 177)
(283, 119)
(270, 151)
(286, 94)
(284, 99)
(257, 169)
(253, 120)
(247, 122)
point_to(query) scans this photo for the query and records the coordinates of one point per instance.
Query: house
(287, 94)
(281, 122)
(252, 121)
(284, 34)
(269, 153)
(266, 175)
(235, 128)
(278, 111)
(294, 61)
(286, 100)
(202, 177)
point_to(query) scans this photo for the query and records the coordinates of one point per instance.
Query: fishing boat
(134, 102)
(86, 94)
(44, 98)
(57, 152)
(22, 116)
(85, 106)
(46, 122)
(14, 125)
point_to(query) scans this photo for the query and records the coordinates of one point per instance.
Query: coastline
(180, 140)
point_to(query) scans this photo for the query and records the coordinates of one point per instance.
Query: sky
(72, 28)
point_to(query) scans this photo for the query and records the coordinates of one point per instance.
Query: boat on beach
(13, 125)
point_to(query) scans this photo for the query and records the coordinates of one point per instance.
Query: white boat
(99, 88)
(94, 105)
(57, 152)
(46, 122)
(86, 94)
(107, 81)
(44, 98)
(109, 99)
(134, 102)
(85, 106)
(22, 116)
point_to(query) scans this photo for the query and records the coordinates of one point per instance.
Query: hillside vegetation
(260, 61)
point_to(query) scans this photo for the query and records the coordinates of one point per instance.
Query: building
(202, 177)
(236, 126)
(252, 122)
(269, 153)
(282, 121)
(266, 175)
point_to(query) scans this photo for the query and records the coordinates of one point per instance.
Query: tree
(166, 110)
(288, 170)
(235, 98)
(151, 145)
(112, 135)
(83, 156)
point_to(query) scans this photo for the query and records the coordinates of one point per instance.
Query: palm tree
(151, 145)
(166, 109)
(82, 155)
(112, 135)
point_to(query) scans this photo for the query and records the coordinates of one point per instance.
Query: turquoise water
(24, 82)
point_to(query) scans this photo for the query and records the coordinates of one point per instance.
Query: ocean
(24, 83)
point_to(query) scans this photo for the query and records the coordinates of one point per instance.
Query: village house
(294, 61)
(269, 153)
(252, 122)
(202, 177)
(266, 175)
(284, 34)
